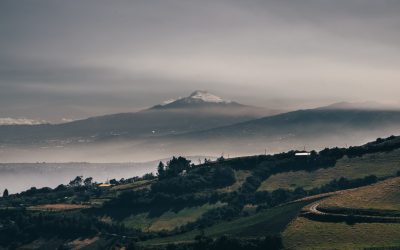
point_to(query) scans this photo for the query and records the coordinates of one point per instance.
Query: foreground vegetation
(308, 234)
(206, 206)
(379, 200)
(384, 164)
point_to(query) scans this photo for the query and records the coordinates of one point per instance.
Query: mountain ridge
(201, 110)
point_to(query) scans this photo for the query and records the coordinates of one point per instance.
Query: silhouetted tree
(76, 182)
(176, 166)
(113, 182)
(88, 181)
(161, 170)
(5, 193)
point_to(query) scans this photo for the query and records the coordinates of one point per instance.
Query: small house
(303, 153)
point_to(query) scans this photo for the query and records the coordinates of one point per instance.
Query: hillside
(312, 129)
(308, 127)
(215, 205)
(382, 165)
(381, 196)
(379, 200)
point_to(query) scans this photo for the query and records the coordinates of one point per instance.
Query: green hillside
(380, 196)
(380, 164)
(377, 199)
(306, 234)
(168, 220)
(272, 221)
(227, 202)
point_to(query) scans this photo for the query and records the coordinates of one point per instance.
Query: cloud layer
(19, 121)
(82, 58)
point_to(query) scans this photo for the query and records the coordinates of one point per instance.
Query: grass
(134, 185)
(241, 176)
(168, 220)
(271, 221)
(380, 196)
(81, 243)
(379, 164)
(57, 207)
(306, 234)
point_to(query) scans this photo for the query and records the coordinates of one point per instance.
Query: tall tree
(5, 193)
(161, 170)
(176, 166)
(88, 181)
(76, 182)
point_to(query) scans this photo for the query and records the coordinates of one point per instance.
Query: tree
(221, 159)
(5, 193)
(176, 166)
(161, 170)
(88, 181)
(76, 182)
(114, 182)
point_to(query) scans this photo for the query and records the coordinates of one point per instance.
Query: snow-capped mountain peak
(198, 97)
(169, 101)
(206, 97)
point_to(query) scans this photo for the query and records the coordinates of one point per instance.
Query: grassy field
(133, 186)
(168, 220)
(306, 234)
(380, 196)
(379, 164)
(272, 221)
(57, 207)
(241, 176)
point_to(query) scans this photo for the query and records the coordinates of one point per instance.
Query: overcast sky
(73, 59)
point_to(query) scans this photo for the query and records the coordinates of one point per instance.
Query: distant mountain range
(200, 124)
(313, 128)
(201, 110)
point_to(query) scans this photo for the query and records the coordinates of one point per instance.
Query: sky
(62, 60)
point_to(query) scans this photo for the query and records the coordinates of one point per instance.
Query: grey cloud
(80, 58)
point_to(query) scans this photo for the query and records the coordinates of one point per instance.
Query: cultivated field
(168, 220)
(57, 207)
(240, 176)
(271, 221)
(382, 196)
(307, 234)
(379, 164)
(134, 186)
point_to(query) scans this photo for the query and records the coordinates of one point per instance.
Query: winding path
(316, 213)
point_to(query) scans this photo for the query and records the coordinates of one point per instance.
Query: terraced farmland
(168, 220)
(307, 234)
(271, 221)
(380, 196)
(382, 199)
(379, 164)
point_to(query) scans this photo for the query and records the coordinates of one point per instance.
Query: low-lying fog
(17, 177)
